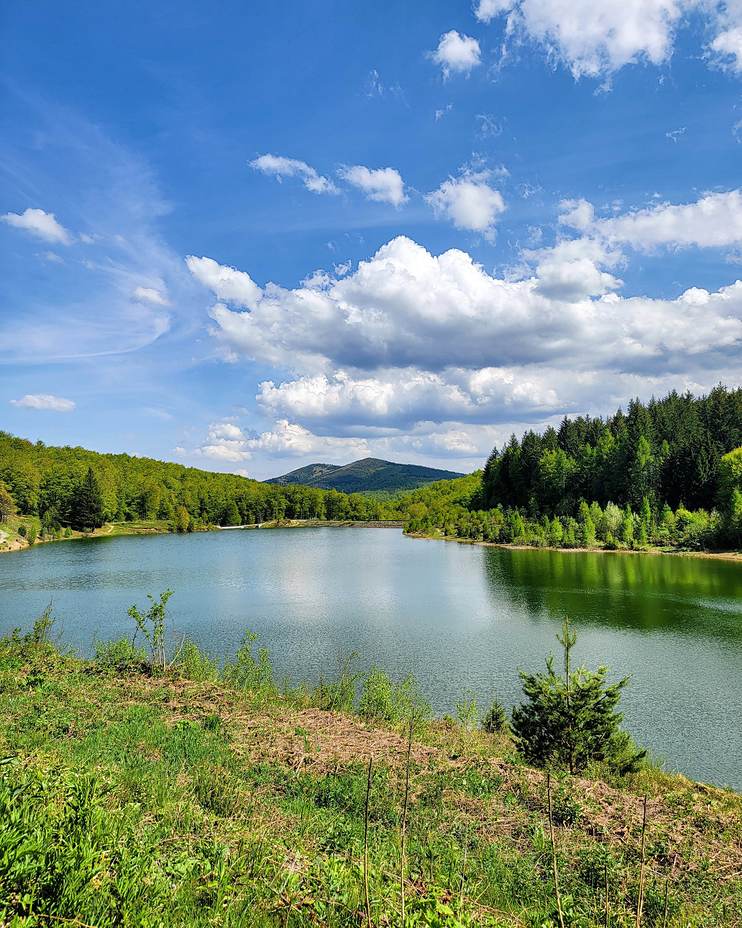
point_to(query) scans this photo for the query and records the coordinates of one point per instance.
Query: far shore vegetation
(665, 475)
(152, 786)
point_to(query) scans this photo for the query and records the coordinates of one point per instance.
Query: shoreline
(314, 523)
(120, 529)
(733, 556)
(129, 529)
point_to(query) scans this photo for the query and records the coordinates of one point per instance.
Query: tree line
(75, 488)
(668, 472)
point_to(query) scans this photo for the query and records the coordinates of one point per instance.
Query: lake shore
(15, 542)
(262, 786)
(10, 543)
(735, 556)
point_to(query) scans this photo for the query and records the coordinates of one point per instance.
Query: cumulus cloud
(573, 270)
(226, 283)
(596, 39)
(39, 224)
(289, 438)
(713, 221)
(469, 202)
(406, 307)
(225, 442)
(411, 343)
(400, 398)
(44, 401)
(384, 185)
(228, 444)
(279, 167)
(151, 295)
(456, 53)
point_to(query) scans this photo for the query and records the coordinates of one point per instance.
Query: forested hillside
(82, 489)
(667, 451)
(369, 475)
(668, 472)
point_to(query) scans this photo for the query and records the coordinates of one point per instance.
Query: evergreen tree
(87, 505)
(570, 720)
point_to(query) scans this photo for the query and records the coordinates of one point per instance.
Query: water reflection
(636, 591)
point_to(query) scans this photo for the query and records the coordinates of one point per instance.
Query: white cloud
(573, 270)
(596, 39)
(226, 283)
(486, 10)
(227, 443)
(406, 307)
(39, 224)
(599, 38)
(395, 399)
(728, 45)
(45, 401)
(151, 295)
(577, 214)
(384, 185)
(713, 221)
(289, 438)
(469, 203)
(280, 167)
(456, 53)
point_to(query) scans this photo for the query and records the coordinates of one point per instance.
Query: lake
(460, 617)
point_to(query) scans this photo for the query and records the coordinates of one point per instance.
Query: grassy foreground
(134, 799)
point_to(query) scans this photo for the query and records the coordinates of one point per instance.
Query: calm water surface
(459, 617)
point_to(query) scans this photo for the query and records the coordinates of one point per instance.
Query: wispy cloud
(279, 167)
(44, 401)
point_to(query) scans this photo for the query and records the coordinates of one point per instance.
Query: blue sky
(247, 237)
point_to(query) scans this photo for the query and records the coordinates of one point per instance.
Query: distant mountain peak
(364, 476)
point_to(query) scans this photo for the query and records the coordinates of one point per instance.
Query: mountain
(306, 475)
(365, 476)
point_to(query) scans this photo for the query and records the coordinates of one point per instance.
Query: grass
(133, 799)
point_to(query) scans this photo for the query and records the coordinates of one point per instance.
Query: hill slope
(366, 475)
(194, 802)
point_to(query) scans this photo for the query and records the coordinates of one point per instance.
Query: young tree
(152, 625)
(570, 720)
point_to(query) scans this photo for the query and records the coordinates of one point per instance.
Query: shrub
(193, 664)
(385, 700)
(571, 720)
(121, 656)
(22, 531)
(495, 719)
